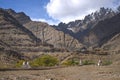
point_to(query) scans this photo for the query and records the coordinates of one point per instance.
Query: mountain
(44, 37)
(103, 31)
(8, 56)
(113, 44)
(88, 22)
(95, 29)
(21, 17)
(22, 38)
(5, 49)
(52, 36)
(14, 34)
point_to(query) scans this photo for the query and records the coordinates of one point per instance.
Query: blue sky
(55, 11)
(30, 7)
(33, 8)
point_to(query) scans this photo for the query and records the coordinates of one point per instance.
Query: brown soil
(86, 72)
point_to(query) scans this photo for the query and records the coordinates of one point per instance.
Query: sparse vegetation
(19, 63)
(45, 60)
(70, 62)
(87, 62)
(107, 62)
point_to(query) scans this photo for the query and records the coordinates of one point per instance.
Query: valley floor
(87, 72)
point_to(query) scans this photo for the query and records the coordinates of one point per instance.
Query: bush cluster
(45, 60)
(87, 62)
(48, 60)
(106, 62)
(70, 62)
(19, 63)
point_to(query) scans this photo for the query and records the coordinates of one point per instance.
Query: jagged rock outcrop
(79, 26)
(52, 36)
(103, 31)
(93, 29)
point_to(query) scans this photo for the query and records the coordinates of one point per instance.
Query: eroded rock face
(113, 44)
(52, 36)
(103, 31)
(26, 39)
(14, 34)
(82, 30)
(93, 31)
(8, 56)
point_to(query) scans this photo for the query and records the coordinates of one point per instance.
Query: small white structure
(23, 63)
(80, 62)
(99, 63)
(26, 65)
(47, 79)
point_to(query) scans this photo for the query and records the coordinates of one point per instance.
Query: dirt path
(91, 72)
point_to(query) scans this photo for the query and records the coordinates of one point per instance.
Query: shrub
(45, 60)
(107, 62)
(71, 62)
(87, 62)
(19, 63)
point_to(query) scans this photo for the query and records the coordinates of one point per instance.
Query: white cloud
(51, 22)
(68, 10)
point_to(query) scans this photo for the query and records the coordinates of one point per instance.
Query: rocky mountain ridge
(37, 35)
(20, 16)
(15, 34)
(93, 31)
(103, 31)
(86, 30)
(88, 22)
(52, 36)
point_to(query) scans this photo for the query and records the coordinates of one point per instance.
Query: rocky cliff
(33, 36)
(52, 36)
(95, 29)
(103, 31)
(80, 26)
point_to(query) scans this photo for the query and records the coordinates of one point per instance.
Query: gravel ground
(88, 72)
